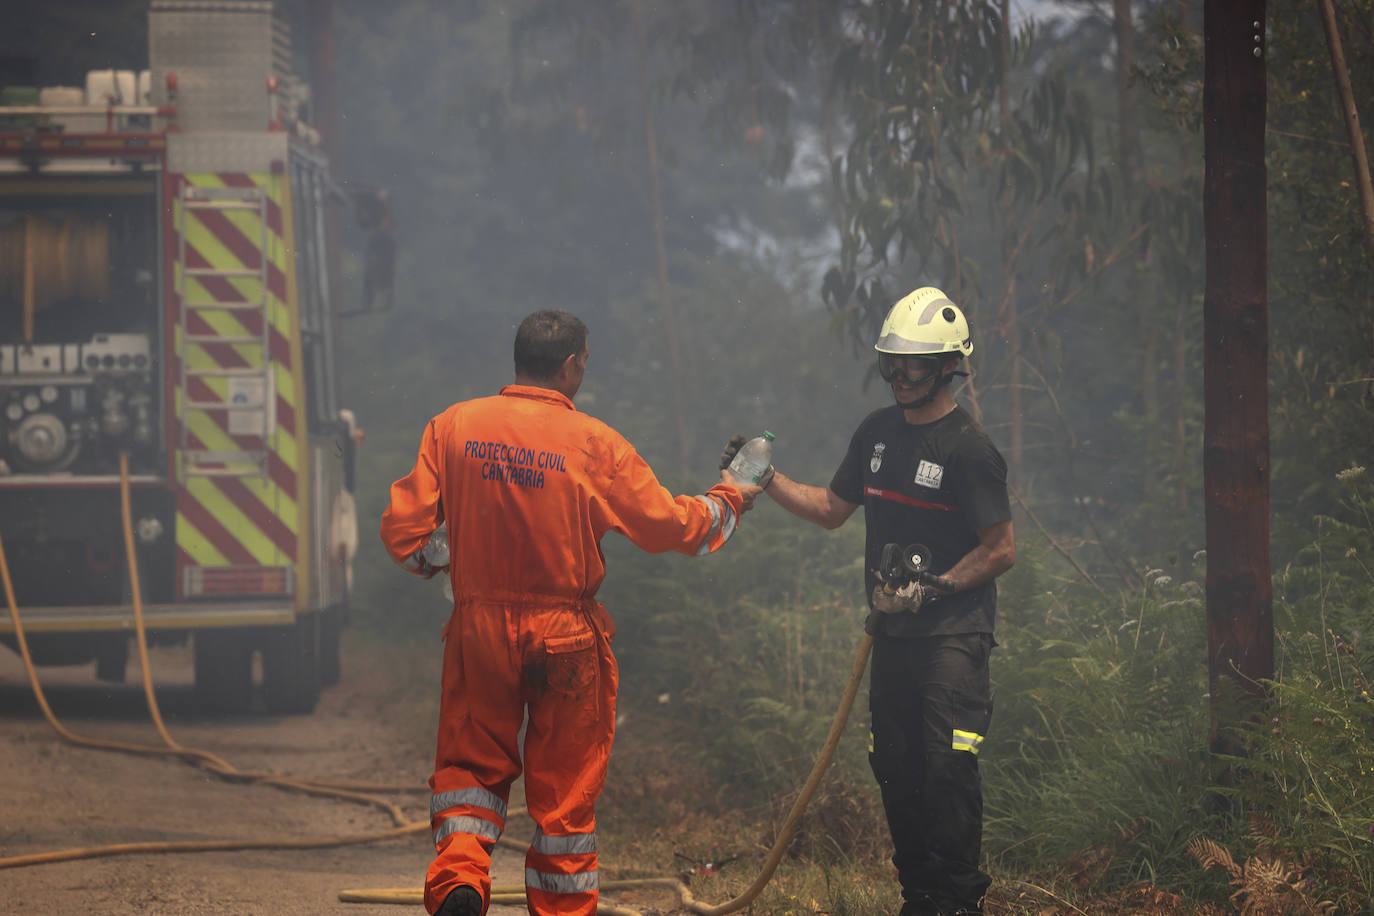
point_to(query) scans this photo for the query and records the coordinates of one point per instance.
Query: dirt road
(54, 796)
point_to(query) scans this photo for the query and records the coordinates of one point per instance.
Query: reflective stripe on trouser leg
(561, 874)
(570, 852)
(966, 741)
(576, 883)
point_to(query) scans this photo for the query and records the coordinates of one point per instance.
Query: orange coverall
(528, 486)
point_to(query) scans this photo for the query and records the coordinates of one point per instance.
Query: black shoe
(928, 907)
(461, 901)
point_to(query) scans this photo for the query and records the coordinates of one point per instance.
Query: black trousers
(931, 703)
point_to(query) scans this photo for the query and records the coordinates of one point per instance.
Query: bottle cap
(769, 436)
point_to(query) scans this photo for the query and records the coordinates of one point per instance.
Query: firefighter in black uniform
(925, 472)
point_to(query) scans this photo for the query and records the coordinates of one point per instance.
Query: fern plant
(1265, 886)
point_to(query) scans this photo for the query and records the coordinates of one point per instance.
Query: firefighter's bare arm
(819, 505)
(994, 555)
(415, 510)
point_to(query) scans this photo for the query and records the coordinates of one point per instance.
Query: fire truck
(166, 329)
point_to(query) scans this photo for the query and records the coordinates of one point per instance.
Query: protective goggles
(910, 369)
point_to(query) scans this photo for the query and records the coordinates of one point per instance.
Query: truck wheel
(291, 666)
(224, 670)
(331, 627)
(112, 660)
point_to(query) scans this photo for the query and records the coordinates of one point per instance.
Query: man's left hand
(747, 491)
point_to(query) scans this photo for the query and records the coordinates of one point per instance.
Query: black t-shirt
(935, 484)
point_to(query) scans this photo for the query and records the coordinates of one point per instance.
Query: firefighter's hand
(747, 491)
(731, 450)
(909, 597)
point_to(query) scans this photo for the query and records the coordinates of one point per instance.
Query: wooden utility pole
(1240, 613)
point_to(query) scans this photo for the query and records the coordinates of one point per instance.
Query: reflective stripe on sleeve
(465, 824)
(722, 525)
(967, 741)
(570, 845)
(476, 796)
(579, 883)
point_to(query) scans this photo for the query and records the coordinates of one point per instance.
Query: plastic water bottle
(436, 548)
(753, 459)
(436, 555)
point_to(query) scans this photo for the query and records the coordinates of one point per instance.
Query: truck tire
(112, 660)
(331, 627)
(223, 670)
(291, 666)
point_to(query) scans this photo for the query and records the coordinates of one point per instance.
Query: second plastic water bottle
(753, 459)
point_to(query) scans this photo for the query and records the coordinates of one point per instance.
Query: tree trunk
(1240, 623)
(1017, 452)
(1128, 122)
(660, 247)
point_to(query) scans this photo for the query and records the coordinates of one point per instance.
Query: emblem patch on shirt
(877, 460)
(928, 474)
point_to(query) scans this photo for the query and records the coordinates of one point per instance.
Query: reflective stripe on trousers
(573, 854)
(467, 823)
(966, 741)
(580, 883)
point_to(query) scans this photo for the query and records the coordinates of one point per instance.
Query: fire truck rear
(165, 307)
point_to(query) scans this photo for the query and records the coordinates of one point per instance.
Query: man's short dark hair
(544, 340)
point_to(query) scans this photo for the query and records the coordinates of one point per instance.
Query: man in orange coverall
(527, 486)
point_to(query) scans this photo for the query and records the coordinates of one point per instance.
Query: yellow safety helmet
(925, 323)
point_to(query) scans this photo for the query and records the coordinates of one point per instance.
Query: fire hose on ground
(356, 791)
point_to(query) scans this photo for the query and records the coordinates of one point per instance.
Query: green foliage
(1308, 784)
(752, 650)
(1321, 307)
(1099, 737)
(918, 81)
